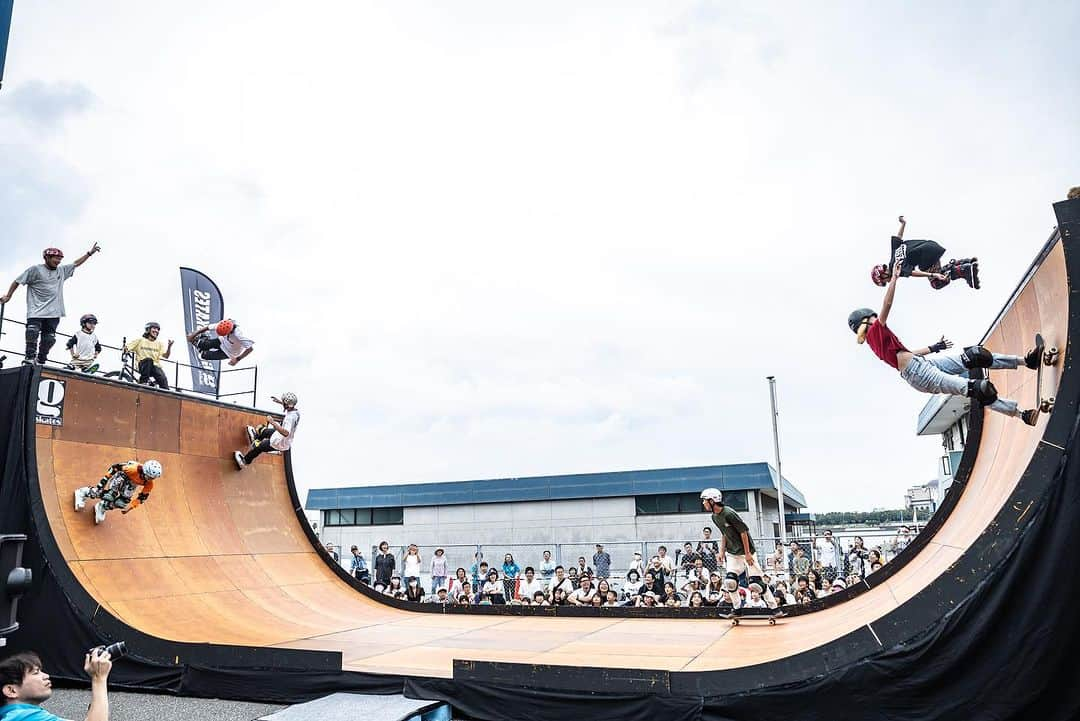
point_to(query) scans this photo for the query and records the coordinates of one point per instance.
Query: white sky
(496, 239)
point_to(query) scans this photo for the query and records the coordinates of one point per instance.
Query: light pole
(776, 446)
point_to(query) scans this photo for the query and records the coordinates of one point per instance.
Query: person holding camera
(24, 686)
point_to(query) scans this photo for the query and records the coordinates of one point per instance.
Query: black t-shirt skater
(921, 254)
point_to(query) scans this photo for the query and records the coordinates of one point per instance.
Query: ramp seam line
(1053, 445)
(870, 626)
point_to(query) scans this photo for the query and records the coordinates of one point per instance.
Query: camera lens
(115, 650)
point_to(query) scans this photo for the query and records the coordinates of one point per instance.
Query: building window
(669, 503)
(364, 517)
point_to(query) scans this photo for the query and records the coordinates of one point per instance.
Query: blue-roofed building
(625, 510)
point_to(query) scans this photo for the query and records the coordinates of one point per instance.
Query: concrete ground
(70, 703)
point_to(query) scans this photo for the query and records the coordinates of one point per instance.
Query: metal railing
(886, 541)
(126, 369)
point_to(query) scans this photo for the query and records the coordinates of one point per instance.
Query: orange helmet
(225, 327)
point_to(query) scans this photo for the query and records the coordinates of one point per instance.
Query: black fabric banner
(203, 305)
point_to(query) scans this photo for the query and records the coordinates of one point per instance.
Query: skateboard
(755, 614)
(1049, 356)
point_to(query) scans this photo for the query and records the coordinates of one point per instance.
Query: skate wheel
(772, 621)
(734, 622)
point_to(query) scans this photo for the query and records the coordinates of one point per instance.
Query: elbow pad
(143, 496)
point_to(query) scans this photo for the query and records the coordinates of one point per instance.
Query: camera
(115, 650)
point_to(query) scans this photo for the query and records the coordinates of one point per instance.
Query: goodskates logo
(50, 404)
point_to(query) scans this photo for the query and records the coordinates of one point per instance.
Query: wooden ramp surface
(219, 556)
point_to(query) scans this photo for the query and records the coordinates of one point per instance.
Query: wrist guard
(937, 347)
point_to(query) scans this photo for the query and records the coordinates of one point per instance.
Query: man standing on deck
(736, 546)
(45, 300)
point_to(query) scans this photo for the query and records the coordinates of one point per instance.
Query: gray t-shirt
(45, 290)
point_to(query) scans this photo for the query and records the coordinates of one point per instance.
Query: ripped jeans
(945, 373)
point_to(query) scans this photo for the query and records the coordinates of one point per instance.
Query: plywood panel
(157, 424)
(200, 430)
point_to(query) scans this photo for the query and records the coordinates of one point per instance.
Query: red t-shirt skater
(884, 343)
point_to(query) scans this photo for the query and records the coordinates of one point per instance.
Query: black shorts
(210, 348)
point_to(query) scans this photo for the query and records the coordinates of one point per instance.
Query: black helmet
(88, 318)
(857, 317)
(152, 324)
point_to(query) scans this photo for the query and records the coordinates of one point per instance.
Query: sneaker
(1032, 359)
(99, 512)
(974, 269)
(92, 368)
(28, 361)
(80, 498)
(239, 458)
(1031, 417)
(250, 434)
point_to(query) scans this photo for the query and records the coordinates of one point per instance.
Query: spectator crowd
(695, 576)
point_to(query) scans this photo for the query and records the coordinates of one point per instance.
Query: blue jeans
(945, 373)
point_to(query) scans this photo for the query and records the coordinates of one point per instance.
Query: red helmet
(225, 327)
(52, 251)
(880, 274)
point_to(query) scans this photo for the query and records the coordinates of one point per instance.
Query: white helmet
(712, 494)
(152, 469)
(288, 399)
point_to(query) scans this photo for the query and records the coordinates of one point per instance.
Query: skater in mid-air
(124, 486)
(922, 259)
(272, 436)
(929, 369)
(226, 342)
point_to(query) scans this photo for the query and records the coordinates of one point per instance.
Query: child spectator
(611, 599)
(225, 342)
(632, 587)
(636, 565)
(44, 300)
(539, 599)
(84, 345)
(439, 570)
(558, 596)
(384, 564)
(756, 599)
(149, 353)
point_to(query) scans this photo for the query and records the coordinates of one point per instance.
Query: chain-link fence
(614, 560)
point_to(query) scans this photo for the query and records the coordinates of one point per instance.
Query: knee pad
(983, 391)
(975, 356)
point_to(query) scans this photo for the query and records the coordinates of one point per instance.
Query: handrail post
(255, 390)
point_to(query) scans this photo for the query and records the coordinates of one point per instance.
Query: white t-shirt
(289, 423)
(566, 584)
(412, 566)
(234, 343)
(826, 552)
(494, 588)
(667, 563)
(580, 595)
(526, 590)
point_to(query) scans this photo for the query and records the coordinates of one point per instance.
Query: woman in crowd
(439, 571)
(384, 564)
(558, 597)
(493, 591)
(783, 595)
(458, 583)
(670, 593)
(510, 574)
(814, 577)
(412, 563)
(857, 557)
(394, 586)
(696, 600)
(602, 589)
(414, 591)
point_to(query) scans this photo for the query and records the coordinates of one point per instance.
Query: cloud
(43, 107)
